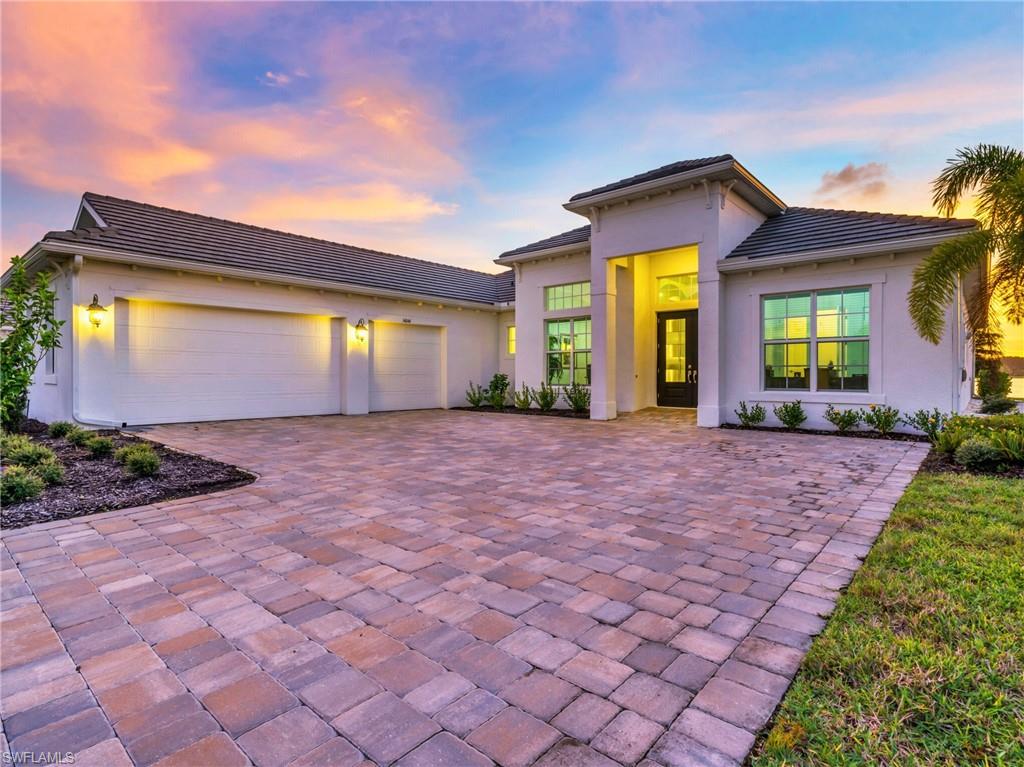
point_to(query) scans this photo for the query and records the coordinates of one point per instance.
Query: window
(678, 287)
(838, 340)
(576, 295)
(568, 351)
(843, 328)
(510, 340)
(786, 324)
(50, 358)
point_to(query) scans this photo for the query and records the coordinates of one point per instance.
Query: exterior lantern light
(362, 331)
(96, 311)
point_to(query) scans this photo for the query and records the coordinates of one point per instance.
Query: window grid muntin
(798, 334)
(568, 354)
(674, 288)
(572, 295)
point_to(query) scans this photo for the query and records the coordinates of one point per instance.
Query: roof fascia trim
(532, 255)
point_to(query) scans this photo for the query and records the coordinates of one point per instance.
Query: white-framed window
(575, 295)
(568, 351)
(816, 340)
(510, 340)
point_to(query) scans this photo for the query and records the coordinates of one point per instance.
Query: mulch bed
(893, 437)
(92, 484)
(941, 463)
(527, 411)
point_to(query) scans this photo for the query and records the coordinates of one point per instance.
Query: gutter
(40, 249)
(728, 265)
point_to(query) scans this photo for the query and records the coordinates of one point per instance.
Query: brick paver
(442, 587)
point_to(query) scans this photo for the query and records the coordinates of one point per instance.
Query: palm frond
(936, 278)
(976, 168)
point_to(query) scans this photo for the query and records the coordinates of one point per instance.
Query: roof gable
(653, 175)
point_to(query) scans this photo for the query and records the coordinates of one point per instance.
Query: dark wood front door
(677, 359)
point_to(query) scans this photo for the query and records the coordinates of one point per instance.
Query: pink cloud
(863, 181)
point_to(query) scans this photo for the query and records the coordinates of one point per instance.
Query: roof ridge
(255, 227)
(882, 214)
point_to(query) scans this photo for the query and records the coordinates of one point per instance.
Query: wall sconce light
(362, 331)
(96, 311)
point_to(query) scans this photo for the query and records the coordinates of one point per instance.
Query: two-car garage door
(179, 362)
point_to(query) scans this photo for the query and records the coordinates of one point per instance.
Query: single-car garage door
(405, 367)
(179, 362)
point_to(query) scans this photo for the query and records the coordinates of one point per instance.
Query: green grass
(922, 662)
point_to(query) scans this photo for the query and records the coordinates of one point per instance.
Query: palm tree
(992, 254)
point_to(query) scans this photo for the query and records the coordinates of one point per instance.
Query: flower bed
(100, 475)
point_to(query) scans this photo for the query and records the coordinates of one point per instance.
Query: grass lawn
(922, 662)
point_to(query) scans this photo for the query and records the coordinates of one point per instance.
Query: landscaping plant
(19, 483)
(60, 429)
(78, 437)
(577, 396)
(545, 397)
(22, 451)
(998, 405)
(140, 460)
(26, 311)
(51, 472)
(843, 420)
(928, 422)
(790, 414)
(977, 454)
(881, 418)
(751, 416)
(99, 447)
(523, 397)
(475, 395)
(496, 392)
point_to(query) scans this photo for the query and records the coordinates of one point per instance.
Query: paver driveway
(443, 588)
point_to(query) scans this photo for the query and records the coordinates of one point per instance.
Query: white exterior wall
(49, 396)
(905, 371)
(506, 361)
(469, 353)
(530, 314)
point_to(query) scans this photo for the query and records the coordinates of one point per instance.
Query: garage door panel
(405, 367)
(186, 363)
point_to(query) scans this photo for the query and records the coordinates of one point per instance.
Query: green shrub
(12, 442)
(881, 418)
(60, 429)
(577, 396)
(791, 414)
(950, 439)
(993, 381)
(545, 397)
(752, 416)
(475, 394)
(978, 454)
(998, 405)
(1010, 445)
(843, 420)
(25, 452)
(78, 437)
(139, 460)
(928, 422)
(496, 392)
(523, 398)
(99, 447)
(51, 472)
(18, 484)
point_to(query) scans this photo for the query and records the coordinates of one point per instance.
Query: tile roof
(149, 230)
(652, 175)
(572, 237)
(808, 229)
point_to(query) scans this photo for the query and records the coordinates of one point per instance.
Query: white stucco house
(692, 285)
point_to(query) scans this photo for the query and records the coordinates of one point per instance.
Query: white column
(355, 370)
(602, 328)
(710, 324)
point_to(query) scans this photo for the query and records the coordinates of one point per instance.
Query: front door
(677, 359)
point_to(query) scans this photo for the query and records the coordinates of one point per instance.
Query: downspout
(76, 415)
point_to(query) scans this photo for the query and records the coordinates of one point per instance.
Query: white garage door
(194, 363)
(405, 369)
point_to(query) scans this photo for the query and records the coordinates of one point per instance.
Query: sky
(453, 132)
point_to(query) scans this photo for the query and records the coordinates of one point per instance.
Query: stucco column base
(603, 410)
(709, 415)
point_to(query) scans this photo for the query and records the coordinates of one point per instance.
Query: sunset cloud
(861, 181)
(367, 202)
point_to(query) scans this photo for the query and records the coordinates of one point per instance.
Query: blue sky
(453, 132)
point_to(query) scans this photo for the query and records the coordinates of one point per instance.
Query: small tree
(32, 331)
